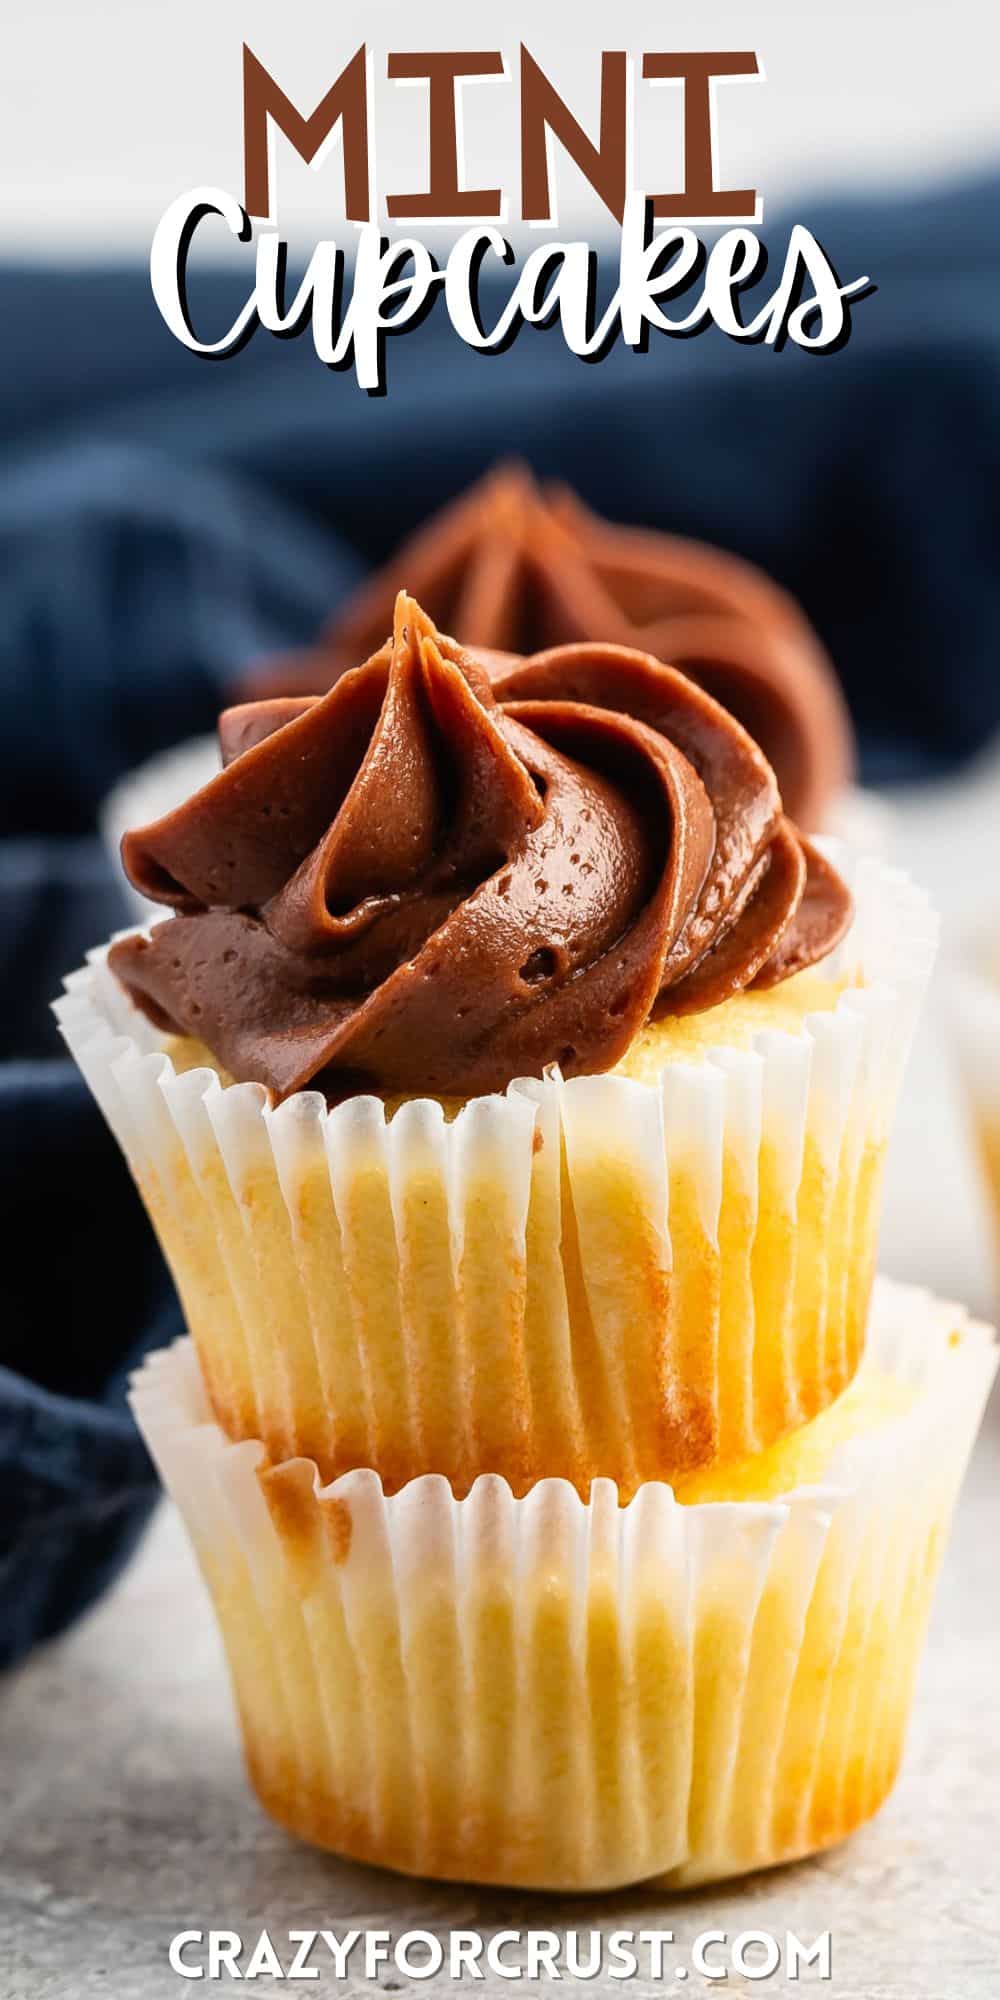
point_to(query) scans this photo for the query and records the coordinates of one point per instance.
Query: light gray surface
(127, 1819)
(124, 1815)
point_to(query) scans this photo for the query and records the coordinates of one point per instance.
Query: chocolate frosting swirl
(454, 869)
(511, 564)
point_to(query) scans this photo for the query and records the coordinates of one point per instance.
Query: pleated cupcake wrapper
(583, 1278)
(553, 1693)
(859, 818)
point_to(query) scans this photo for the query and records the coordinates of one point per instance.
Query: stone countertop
(125, 1816)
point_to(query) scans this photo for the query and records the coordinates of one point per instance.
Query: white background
(109, 109)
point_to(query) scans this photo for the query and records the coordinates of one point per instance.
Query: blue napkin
(164, 521)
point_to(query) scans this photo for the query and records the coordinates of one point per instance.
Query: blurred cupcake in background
(511, 1088)
(514, 567)
(973, 989)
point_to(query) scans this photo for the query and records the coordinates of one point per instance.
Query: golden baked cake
(561, 1694)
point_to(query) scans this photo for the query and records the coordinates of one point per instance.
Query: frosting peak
(456, 869)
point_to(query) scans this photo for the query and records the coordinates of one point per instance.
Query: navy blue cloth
(164, 521)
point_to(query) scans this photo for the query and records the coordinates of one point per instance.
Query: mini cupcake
(563, 1694)
(511, 1087)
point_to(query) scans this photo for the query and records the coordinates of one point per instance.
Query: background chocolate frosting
(454, 869)
(517, 566)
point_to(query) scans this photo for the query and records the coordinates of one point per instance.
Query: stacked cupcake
(510, 1090)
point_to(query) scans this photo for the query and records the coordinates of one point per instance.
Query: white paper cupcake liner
(555, 1693)
(599, 1277)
